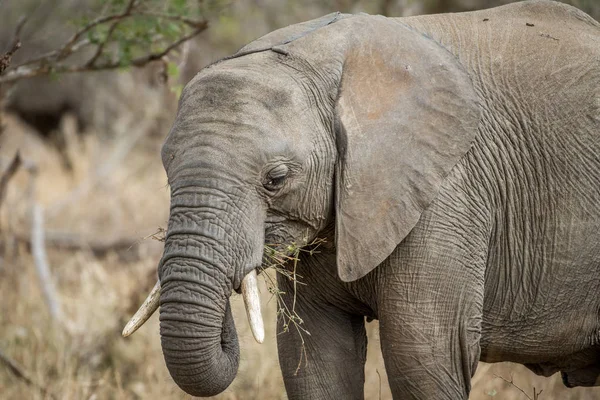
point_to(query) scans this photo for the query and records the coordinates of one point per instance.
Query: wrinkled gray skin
(452, 162)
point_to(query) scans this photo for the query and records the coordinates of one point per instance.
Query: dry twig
(512, 383)
(6, 58)
(278, 259)
(12, 169)
(38, 249)
(71, 241)
(38, 245)
(20, 373)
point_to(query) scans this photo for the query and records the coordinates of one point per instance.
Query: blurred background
(88, 90)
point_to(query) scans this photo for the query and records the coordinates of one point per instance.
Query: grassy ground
(86, 357)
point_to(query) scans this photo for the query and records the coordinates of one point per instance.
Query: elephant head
(352, 121)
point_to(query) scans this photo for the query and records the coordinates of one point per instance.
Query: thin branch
(12, 169)
(277, 256)
(512, 383)
(76, 41)
(53, 61)
(112, 28)
(171, 17)
(38, 249)
(23, 72)
(73, 242)
(138, 62)
(18, 29)
(6, 58)
(185, 53)
(46, 58)
(65, 50)
(20, 373)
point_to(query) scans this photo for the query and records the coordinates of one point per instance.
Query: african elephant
(451, 161)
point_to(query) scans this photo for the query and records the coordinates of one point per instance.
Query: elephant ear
(406, 113)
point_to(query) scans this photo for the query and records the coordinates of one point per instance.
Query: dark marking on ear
(280, 50)
(341, 138)
(339, 130)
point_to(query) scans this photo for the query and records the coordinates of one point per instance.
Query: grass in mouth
(278, 258)
(283, 259)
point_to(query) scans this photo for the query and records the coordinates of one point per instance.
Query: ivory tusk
(146, 310)
(252, 303)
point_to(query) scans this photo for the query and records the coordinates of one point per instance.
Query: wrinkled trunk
(198, 335)
(202, 355)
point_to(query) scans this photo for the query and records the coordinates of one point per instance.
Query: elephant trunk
(198, 335)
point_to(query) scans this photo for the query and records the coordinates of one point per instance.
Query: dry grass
(90, 359)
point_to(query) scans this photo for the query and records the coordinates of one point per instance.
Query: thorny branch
(54, 61)
(512, 383)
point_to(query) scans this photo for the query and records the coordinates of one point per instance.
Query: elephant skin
(451, 161)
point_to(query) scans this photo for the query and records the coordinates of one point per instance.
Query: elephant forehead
(253, 95)
(239, 119)
(234, 91)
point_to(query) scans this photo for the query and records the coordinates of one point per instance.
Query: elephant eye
(276, 177)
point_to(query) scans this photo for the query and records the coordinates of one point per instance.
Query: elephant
(450, 162)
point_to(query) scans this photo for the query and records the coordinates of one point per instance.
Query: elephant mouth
(248, 288)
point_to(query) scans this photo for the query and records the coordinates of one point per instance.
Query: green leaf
(54, 76)
(177, 89)
(173, 70)
(178, 6)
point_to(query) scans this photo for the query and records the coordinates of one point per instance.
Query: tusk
(146, 310)
(252, 303)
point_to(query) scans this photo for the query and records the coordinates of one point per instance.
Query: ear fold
(288, 34)
(406, 113)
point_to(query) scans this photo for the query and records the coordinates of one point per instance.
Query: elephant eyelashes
(276, 177)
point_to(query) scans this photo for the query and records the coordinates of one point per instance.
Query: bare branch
(18, 29)
(16, 42)
(512, 383)
(75, 242)
(12, 169)
(38, 249)
(172, 17)
(20, 373)
(6, 58)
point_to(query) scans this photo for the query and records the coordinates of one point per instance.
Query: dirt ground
(96, 218)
